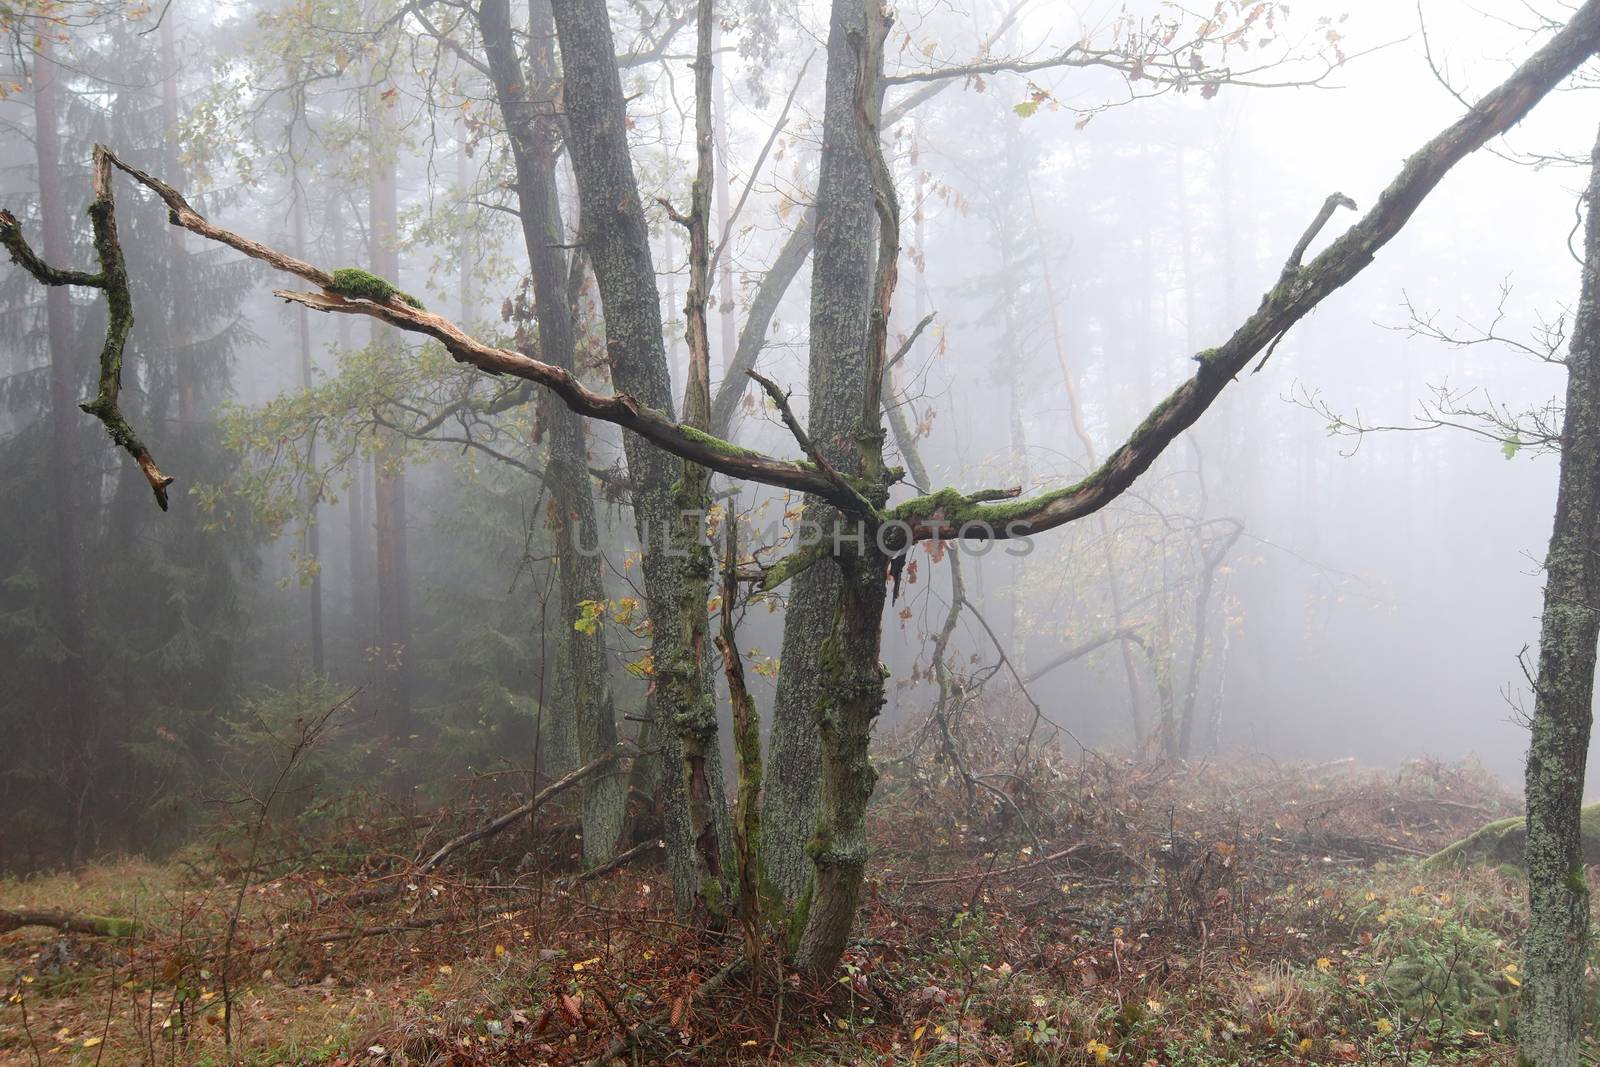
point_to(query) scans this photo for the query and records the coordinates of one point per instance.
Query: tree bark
(528, 111)
(1558, 896)
(311, 534)
(616, 239)
(389, 485)
(358, 523)
(841, 272)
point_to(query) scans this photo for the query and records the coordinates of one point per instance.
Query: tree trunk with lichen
(1556, 944)
(590, 721)
(850, 696)
(616, 238)
(841, 273)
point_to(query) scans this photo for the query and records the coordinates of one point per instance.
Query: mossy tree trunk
(851, 694)
(583, 672)
(1558, 896)
(841, 282)
(616, 238)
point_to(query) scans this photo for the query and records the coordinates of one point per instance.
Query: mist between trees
(713, 438)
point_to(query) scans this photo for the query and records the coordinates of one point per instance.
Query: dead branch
(620, 860)
(780, 400)
(1286, 304)
(521, 812)
(1002, 873)
(390, 307)
(113, 281)
(704, 989)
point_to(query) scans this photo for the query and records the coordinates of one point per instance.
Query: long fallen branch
(489, 829)
(620, 860)
(94, 925)
(522, 811)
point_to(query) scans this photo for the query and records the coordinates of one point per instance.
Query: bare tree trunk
(1558, 896)
(725, 301)
(77, 711)
(684, 677)
(186, 384)
(389, 484)
(1081, 431)
(533, 129)
(841, 271)
(357, 523)
(312, 534)
(850, 696)
(1212, 555)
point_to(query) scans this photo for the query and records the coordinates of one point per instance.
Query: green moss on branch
(364, 285)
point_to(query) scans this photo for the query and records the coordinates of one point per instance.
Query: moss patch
(364, 285)
(1500, 842)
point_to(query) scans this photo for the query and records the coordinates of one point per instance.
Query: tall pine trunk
(73, 752)
(389, 481)
(311, 534)
(1558, 896)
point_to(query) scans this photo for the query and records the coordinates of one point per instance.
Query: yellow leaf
(91, 1042)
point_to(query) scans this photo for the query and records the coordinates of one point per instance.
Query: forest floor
(1082, 910)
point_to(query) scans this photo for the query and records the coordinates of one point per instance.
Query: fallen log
(93, 925)
(1501, 842)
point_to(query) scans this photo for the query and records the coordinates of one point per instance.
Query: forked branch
(113, 281)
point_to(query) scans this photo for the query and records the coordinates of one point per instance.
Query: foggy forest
(799, 532)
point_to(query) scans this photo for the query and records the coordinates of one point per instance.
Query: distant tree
(123, 629)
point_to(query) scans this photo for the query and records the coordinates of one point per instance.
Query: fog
(1375, 604)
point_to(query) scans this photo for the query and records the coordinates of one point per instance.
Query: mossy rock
(1500, 843)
